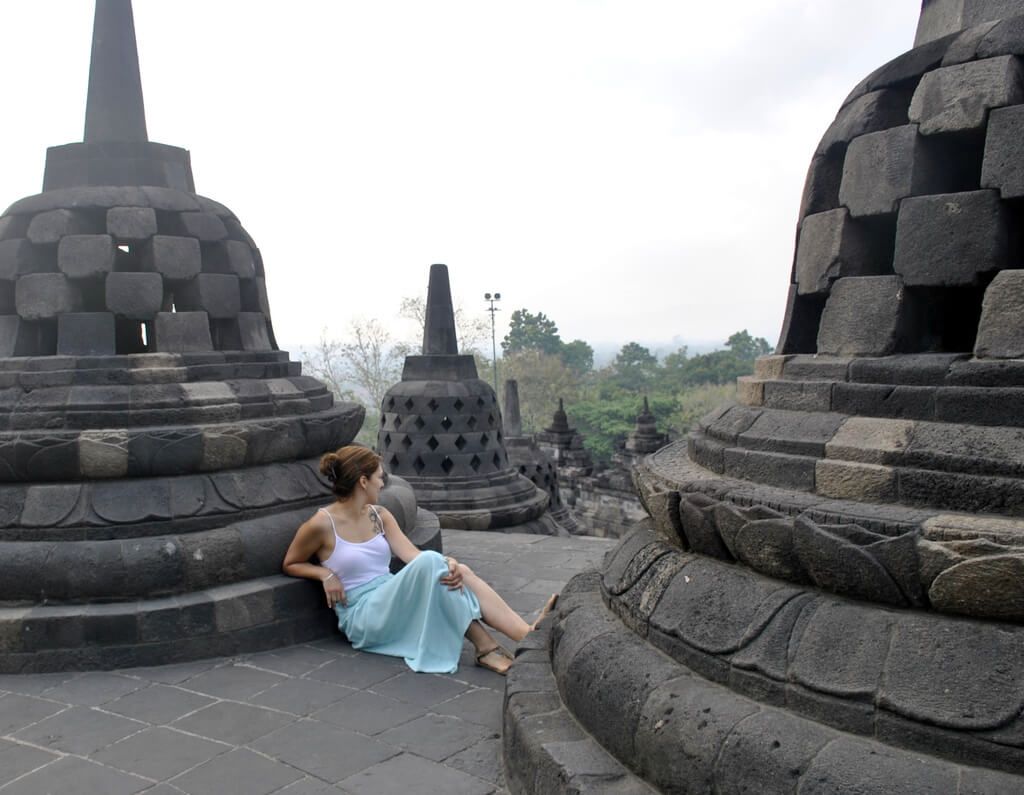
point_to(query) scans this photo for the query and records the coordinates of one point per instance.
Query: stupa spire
(513, 417)
(439, 320)
(114, 110)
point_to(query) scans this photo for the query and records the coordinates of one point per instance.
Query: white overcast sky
(632, 168)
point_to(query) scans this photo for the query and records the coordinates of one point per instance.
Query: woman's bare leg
(487, 648)
(495, 611)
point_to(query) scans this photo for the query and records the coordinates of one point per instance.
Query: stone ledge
(544, 749)
(242, 617)
(104, 453)
(717, 737)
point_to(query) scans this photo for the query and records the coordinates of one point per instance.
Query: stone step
(95, 407)
(712, 728)
(110, 453)
(38, 572)
(241, 617)
(214, 617)
(545, 750)
(961, 404)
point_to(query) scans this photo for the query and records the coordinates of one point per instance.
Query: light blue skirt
(411, 615)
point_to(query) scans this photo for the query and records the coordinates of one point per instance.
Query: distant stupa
(441, 430)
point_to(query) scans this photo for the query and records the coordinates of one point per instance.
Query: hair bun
(329, 466)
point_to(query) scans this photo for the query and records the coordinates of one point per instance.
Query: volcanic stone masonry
(828, 595)
(441, 430)
(157, 451)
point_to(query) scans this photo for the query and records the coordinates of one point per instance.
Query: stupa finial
(114, 110)
(439, 320)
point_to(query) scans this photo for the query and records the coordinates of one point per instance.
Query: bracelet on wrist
(325, 579)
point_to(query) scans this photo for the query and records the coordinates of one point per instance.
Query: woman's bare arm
(400, 544)
(308, 542)
(406, 550)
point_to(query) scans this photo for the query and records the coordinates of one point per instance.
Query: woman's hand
(453, 579)
(334, 591)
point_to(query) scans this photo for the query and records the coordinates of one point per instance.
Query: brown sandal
(549, 605)
(501, 651)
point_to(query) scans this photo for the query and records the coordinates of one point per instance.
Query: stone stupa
(441, 430)
(829, 594)
(157, 451)
(532, 462)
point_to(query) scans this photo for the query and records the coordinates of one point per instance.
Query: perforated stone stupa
(157, 450)
(829, 594)
(441, 430)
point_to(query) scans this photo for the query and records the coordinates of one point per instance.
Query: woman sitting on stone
(421, 613)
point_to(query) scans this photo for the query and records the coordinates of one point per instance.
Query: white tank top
(357, 564)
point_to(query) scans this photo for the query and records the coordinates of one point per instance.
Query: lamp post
(494, 345)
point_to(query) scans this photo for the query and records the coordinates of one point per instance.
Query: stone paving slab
(315, 719)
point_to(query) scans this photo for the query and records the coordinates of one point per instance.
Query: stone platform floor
(303, 720)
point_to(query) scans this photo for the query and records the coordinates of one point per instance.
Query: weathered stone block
(217, 294)
(991, 587)
(914, 369)
(206, 227)
(968, 657)
(252, 330)
(182, 332)
(965, 47)
(797, 432)
(948, 239)
(772, 469)
(103, 454)
(864, 316)
(798, 395)
(19, 337)
(1003, 166)
(958, 98)
(254, 296)
(831, 245)
(49, 227)
(39, 296)
(1001, 328)
(176, 258)
(769, 367)
(86, 256)
(884, 167)
(17, 258)
(803, 367)
(843, 480)
(821, 186)
(131, 224)
(884, 400)
(872, 112)
(240, 259)
(870, 440)
(750, 390)
(137, 296)
(1006, 37)
(86, 334)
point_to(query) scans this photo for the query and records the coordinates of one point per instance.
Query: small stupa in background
(441, 430)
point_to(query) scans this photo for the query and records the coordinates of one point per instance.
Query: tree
(605, 423)
(578, 356)
(635, 368)
(746, 347)
(473, 331)
(543, 379)
(363, 368)
(529, 332)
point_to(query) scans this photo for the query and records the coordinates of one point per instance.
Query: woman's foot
(495, 659)
(549, 605)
